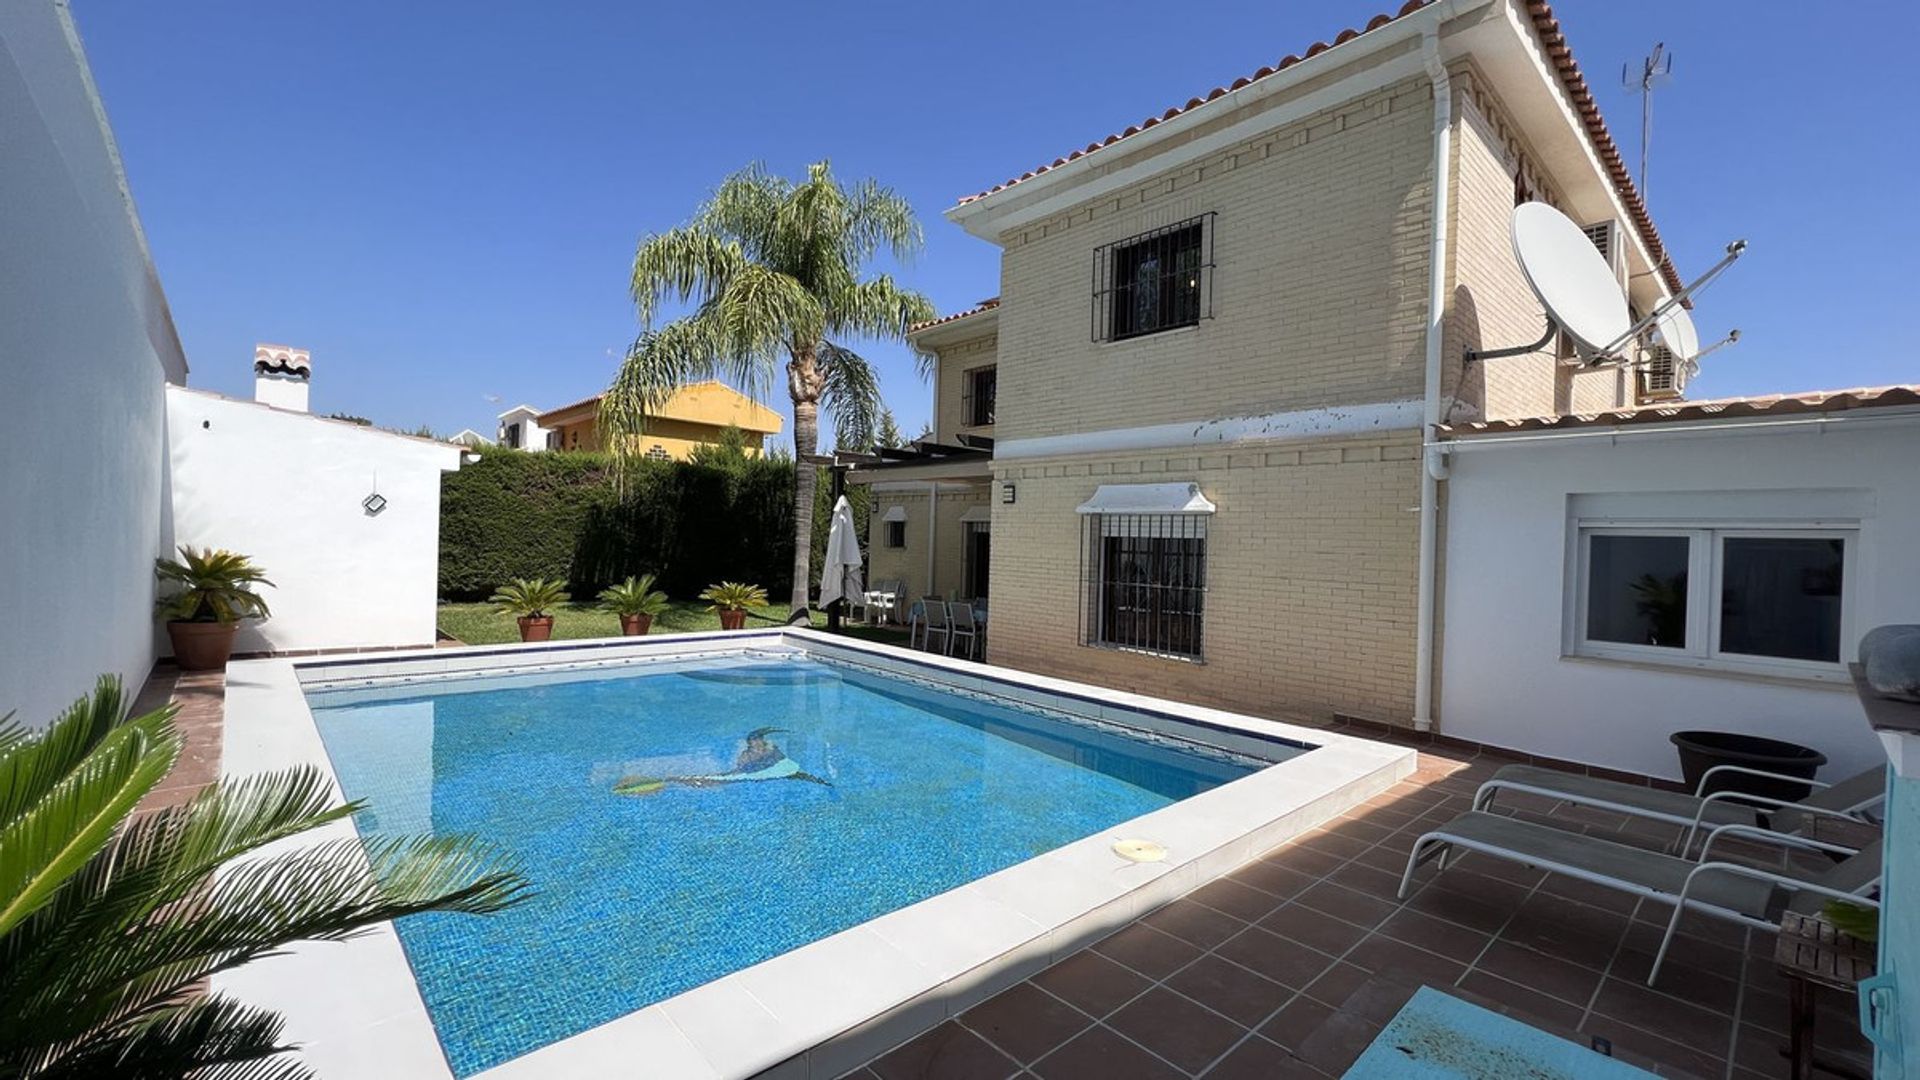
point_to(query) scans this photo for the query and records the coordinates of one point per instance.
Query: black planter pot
(1702, 750)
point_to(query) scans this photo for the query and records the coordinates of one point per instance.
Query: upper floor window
(896, 534)
(1770, 601)
(1159, 280)
(977, 391)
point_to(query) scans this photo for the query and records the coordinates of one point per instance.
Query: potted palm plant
(636, 601)
(731, 599)
(529, 601)
(212, 590)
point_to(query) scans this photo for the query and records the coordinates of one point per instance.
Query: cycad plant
(731, 599)
(773, 268)
(635, 601)
(110, 923)
(210, 585)
(531, 601)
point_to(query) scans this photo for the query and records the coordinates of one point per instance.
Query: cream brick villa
(1219, 337)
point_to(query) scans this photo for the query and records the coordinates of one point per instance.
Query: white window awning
(895, 513)
(1148, 499)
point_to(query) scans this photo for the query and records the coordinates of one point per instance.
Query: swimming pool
(682, 823)
(908, 835)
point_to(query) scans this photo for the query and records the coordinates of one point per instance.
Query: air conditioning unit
(1662, 378)
(1606, 236)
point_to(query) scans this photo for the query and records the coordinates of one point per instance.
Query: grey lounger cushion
(1674, 807)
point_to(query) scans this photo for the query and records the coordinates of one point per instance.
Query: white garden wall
(1505, 680)
(286, 488)
(86, 346)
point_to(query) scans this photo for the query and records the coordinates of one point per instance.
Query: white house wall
(286, 488)
(86, 345)
(1504, 679)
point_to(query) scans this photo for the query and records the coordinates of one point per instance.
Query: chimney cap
(282, 358)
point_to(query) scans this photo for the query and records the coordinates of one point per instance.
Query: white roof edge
(1175, 498)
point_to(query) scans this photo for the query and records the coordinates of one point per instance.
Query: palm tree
(110, 923)
(772, 268)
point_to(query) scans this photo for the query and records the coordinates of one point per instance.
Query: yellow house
(696, 415)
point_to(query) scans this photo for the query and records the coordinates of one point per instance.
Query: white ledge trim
(1334, 420)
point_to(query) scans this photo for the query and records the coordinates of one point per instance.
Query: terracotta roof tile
(985, 305)
(1558, 52)
(1806, 401)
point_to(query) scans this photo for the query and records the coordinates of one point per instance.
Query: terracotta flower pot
(536, 628)
(635, 625)
(733, 618)
(201, 646)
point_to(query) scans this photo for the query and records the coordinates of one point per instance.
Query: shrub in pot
(211, 591)
(530, 601)
(731, 599)
(636, 602)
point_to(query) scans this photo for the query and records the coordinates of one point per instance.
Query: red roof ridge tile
(985, 305)
(1559, 53)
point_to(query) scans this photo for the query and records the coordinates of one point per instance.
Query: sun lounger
(1846, 799)
(1738, 893)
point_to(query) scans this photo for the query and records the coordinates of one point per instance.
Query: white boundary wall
(86, 346)
(1505, 681)
(286, 488)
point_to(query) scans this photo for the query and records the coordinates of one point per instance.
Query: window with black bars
(1145, 582)
(978, 388)
(1159, 280)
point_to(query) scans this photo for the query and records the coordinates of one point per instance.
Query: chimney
(280, 376)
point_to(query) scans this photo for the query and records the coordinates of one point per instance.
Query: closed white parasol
(840, 568)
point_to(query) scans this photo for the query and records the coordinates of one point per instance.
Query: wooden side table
(1811, 954)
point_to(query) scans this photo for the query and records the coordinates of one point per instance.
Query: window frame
(1706, 565)
(1109, 294)
(1093, 560)
(970, 410)
(889, 538)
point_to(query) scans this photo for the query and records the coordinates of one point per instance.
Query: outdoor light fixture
(374, 503)
(1006, 494)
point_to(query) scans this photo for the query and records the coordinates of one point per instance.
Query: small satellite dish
(1571, 277)
(1676, 331)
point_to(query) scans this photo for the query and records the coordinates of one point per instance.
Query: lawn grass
(479, 624)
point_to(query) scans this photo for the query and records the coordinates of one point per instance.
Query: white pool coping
(826, 1007)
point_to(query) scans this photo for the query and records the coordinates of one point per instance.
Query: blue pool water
(875, 793)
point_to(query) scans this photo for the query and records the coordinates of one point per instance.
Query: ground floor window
(1145, 578)
(977, 544)
(896, 534)
(1765, 599)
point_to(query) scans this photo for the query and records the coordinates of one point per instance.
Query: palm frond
(32, 763)
(683, 264)
(879, 219)
(851, 396)
(204, 1038)
(761, 311)
(878, 308)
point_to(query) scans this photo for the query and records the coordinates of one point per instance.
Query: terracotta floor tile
(1524, 1002)
(1332, 1047)
(1294, 1024)
(1147, 951)
(1091, 983)
(1314, 928)
(1176, 1029)
(1361, 878)
(1385, 956)
(1025, 1021)
(1194, 923)
(1338, 983)
(1243, 902)
(1103, 1053)
(1434, 935)
(1541, 974)
(948, 1052)
(1650, 1010)
(1257, 1059)
(1288, 963)
(1347, 905)
(1704, 1059)
(1226, 987)
(1303, 860)
(1281, 882)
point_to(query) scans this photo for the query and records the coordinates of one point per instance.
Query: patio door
(978, 541)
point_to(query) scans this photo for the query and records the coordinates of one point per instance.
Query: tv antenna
(1655, 68)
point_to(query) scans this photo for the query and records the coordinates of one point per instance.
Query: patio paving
(1291, 965)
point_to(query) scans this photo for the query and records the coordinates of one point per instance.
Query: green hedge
(555, 514)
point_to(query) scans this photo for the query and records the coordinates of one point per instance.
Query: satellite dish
(1571, 277)
(1676, 331)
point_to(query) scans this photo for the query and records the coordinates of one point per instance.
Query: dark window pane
(896, 534)
(1781, 597)
(1637, 590)
(1149, 586)
(1156, 282)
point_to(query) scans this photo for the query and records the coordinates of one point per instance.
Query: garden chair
(933, 617)
(1849, 799)
(961, 624)
(1735, 892)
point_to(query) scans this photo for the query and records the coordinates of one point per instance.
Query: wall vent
(1661, 379)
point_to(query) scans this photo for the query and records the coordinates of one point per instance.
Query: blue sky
(443, 204)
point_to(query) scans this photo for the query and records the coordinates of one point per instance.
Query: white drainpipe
(1434, 463)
